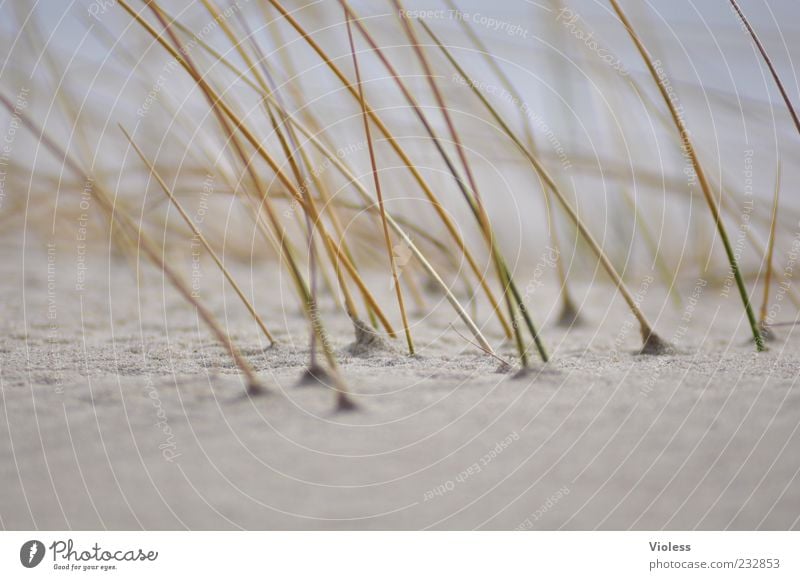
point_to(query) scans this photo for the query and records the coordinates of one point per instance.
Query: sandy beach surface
(120, 412)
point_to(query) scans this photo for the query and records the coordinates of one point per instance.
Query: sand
(119, 412)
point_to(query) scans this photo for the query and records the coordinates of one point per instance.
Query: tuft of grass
(229, 120)
(378, 192)
(680, 125)
(329, 155)
(404, 157)
(651, 342)
(509, 286)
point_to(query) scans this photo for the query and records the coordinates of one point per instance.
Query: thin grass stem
(698, 169)
(379, 194)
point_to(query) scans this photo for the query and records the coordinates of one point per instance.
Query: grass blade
(701, 177)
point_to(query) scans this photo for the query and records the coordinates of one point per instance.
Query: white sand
(601, 438)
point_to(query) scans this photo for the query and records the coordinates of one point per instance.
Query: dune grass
(651, 342)
(711, 200)
(332, 226)
(378, 193)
